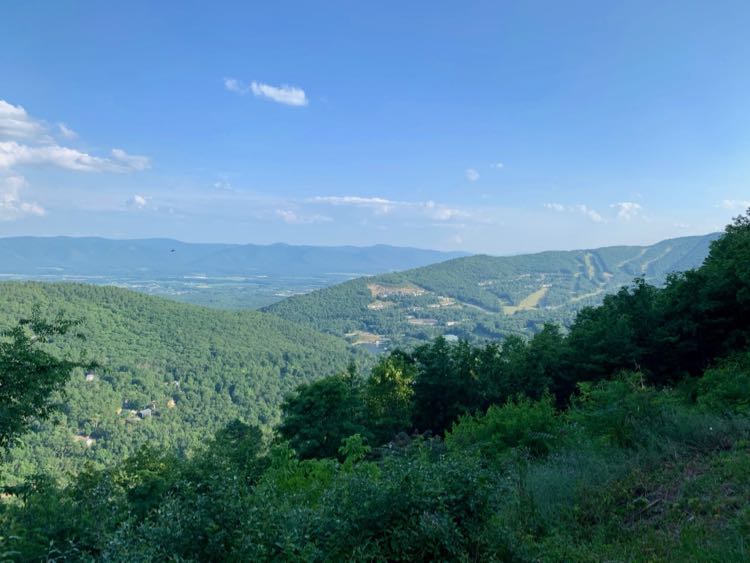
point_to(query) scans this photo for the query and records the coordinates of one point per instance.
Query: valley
(223, 276)
(169, 373)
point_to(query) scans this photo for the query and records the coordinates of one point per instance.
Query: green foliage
(482, 297)
(195, 368)
(628, 468)
(30, 374)
(389, 393)
(319, 415)
(726, 387)
(519, 423)
(620, 412)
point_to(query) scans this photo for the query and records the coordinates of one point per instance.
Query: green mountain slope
(483, 296)
(195, 368)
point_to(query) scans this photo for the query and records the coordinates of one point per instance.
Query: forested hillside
(169, 376)
(624, 439)
(481, 297)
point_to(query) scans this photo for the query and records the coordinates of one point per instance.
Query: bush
(725, 388)
(622, 412)
(519, 423)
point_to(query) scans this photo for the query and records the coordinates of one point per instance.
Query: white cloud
(379, 205)
(626, 210)
(590, 213)
(497, 165)
(734, 204)
(440, 212)
(383, 206)
(11, 205)
(222, 184)
(16, 123)
(25, 141)
(585, 210)
(472, 175)
(138, 201)
(15, 154)
(293, 218)
(234, 85)
(284, 94)
(130, 161)
(66, 131)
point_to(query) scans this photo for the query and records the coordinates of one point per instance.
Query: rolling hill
(194, 369)
(480, 297)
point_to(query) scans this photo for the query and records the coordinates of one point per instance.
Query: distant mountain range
(480, 297)
(153, 258)
(224, 276)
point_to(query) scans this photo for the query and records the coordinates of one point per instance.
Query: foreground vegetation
(626, 438)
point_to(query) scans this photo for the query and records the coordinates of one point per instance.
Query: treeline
(668, 335)
(625, 438)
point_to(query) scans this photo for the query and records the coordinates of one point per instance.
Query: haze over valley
(229, 276)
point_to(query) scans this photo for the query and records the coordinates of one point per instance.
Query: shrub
(726, 387)
(519, 423)
(621, 412)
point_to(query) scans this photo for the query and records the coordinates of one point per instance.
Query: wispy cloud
(627, 210)
(138, 201)
(383, 206)
(293, 218)
(379, 205)
(497, 165)
(284, 94)
(472, 175)
(16, 154)
(66, 131)
(234, 85)
(590, 213)
(222, 184)
(734, 204)
(12, 206)
(581, 208)
(127, 162)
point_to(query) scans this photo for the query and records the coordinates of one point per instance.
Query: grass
(682, 494)
(527, 303)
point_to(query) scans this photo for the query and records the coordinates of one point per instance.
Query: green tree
(319, 415)
(388, 395)
(30, 373)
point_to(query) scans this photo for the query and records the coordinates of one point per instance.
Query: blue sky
(496, 127)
